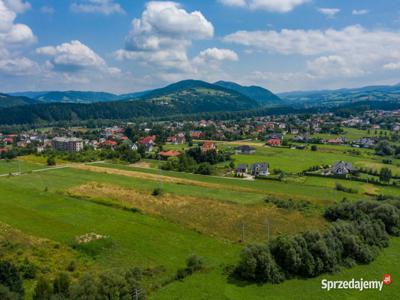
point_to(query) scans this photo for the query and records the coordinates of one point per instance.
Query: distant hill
(77, 97)
(200, 95)
(10, 101)
(343, 96)
(257, 93)
(185, 97)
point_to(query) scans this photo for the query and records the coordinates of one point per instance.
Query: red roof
(274, 142)
(208, 145)
(3, 150)
(196, 134)
(110, 143)
(170, 153)
(147, 140)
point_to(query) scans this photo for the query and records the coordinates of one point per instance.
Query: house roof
(110, 143)
(147, 140)
(342, 165)
(170, 153)
(208, 145)
(245, 148)
(260, 166)
(241, 167)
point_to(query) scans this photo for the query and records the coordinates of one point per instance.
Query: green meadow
(15, 166)
(43, 205)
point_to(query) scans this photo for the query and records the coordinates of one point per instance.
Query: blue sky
(130, 45)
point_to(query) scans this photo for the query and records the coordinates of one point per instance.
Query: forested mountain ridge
(257, 93)
(341, 96)
(186, 97)
(9, 101)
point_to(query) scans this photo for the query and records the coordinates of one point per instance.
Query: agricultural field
(210, 216)
(16, 166)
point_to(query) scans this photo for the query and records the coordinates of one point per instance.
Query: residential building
(208, 146)
(245, 149)
(241, 170)
(67, 144)
(342, 168)
(260, 169)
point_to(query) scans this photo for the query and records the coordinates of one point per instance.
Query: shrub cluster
(194, 263)
(11, 285)
(357, 232)
(342, 188)
(300, 205)
(106, 285)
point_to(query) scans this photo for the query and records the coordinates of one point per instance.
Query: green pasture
(15, 166)
(295, 188)
(214, 286)
(137, 239)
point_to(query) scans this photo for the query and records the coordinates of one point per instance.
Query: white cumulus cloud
(358, 12)
(351, 51)
(162, 35)
(216, 55)
(14, 37)
(240, 3)
(329, 12)
(73, 57)
(106, 7)
(18, 6)
(392, 66)
(280, 6)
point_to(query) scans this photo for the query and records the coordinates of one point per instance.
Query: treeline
(122, 152)
(123, 110)
(357, 233)
(196, 161)
(107, 285)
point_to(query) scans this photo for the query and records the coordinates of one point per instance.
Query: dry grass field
(224, 220)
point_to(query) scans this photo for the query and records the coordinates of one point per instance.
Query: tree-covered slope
(10, 101)
(257, 93)
(186, 97)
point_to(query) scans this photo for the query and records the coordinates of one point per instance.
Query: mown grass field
(214, 286)
(294, 160)
(196, 214)
(138, 240)
(15, 166)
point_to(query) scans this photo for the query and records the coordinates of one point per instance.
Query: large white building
(67, 144)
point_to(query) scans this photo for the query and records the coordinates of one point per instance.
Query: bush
(61, 285)
(43, 290)
(204, 169)
(357, 232)
(194, 263)
(342, 188)
(157, 192)
(10, 278)
(51, 161)
(257, 264)
(27, 269)
(6, 294)
(290, 204)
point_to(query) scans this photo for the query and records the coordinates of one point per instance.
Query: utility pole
(136, 293)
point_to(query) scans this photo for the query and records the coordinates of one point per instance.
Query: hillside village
(170, 141)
